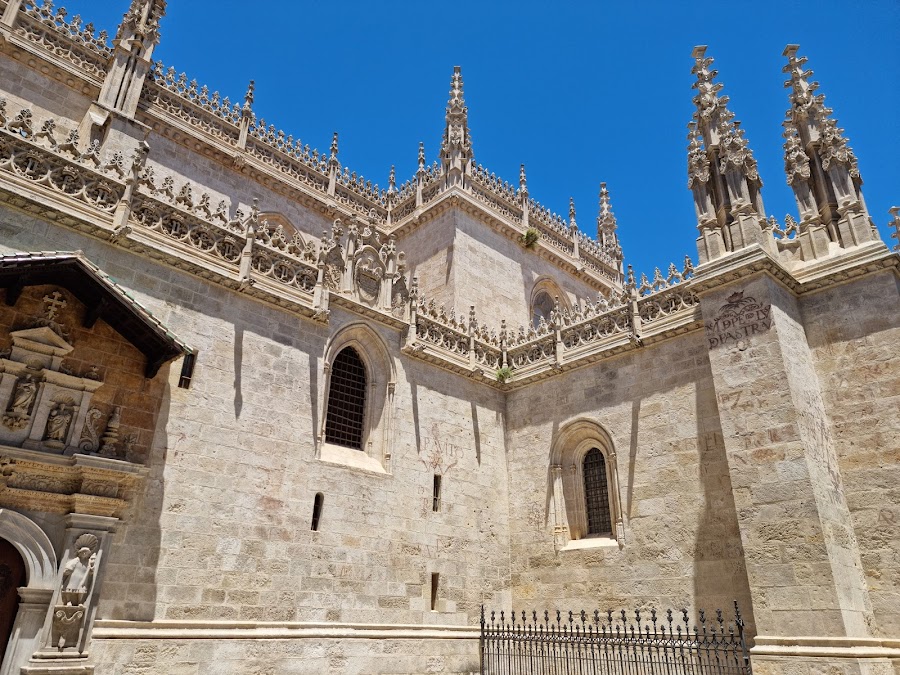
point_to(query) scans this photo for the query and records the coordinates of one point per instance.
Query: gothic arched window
(541, 308)
(596, 493)
(345, 414)
(587, 511)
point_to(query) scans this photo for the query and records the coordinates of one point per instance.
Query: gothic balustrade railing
(664, 297)
(495, 184)
(50, 28)
(183, 98)
(42, 162)
(532, 354)
(594, 333)
(436, 328)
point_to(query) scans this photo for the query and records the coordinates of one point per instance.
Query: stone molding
(826, 647)
(109, 629)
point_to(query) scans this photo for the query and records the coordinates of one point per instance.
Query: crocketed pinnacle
(606, 225)
(812, 119)
(606, 219)
(804, 101)
(715, 123)
(456, 131)
(142, 20)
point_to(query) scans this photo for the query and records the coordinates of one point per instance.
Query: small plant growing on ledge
(504, 373)
(529, 239)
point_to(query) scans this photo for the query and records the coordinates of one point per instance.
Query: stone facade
(186, 510)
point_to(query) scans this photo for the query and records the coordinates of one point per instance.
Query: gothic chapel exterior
(176, 275)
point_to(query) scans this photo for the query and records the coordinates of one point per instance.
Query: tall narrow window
(346, 400)
(436, 497)
(187, 370)
(596, 493)
(317, 511)
(435, 580)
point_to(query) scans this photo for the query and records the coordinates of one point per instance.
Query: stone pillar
(26, 633)
(803, 560)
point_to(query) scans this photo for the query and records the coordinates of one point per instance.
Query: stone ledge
(109, 629)
(826, 647)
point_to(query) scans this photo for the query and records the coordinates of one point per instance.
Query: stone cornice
(820, 275)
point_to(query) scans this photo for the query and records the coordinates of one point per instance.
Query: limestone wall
(222, 530)
(853, 331)
(462, 262)
(681, 546)
(314, 656)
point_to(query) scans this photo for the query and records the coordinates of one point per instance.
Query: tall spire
(821, 168)
(722, 171)
(137, 36)
(607, 226)
(456, 148)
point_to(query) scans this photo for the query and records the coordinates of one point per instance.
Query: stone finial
(334, 146)
(606, 219)
(895, 223)
(707, 99)
(573, 225)
(523, 181)
(803, 99)
(248, 97)
(141, 21)
(421, 158)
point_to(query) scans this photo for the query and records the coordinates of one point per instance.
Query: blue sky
(581, 92)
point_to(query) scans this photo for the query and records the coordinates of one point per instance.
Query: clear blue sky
(581, 92)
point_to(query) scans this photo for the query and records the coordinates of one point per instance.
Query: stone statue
(58, 424)
(78, 574)
(23, 396)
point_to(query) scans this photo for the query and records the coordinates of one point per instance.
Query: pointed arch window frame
(570, 521)
(374, 455)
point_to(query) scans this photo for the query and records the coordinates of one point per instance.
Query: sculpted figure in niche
(58, 425)
(23, 396)
(78, 574)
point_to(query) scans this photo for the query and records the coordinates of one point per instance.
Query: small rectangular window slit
(435, 579)
(317, 511)
(187, 370)
(436, 494)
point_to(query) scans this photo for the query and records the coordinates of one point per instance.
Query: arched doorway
(12, 576)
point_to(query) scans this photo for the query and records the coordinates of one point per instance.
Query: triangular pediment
(42, 339)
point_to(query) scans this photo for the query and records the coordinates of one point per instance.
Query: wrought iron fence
(582, 644)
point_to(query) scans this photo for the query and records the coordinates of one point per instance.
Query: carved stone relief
(739, 318)
(75, 589)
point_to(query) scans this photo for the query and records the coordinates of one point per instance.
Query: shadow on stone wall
(720, 572)
(131, 584)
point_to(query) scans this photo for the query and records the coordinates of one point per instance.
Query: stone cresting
(246, 249)
(138, 206)
(571, 338)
